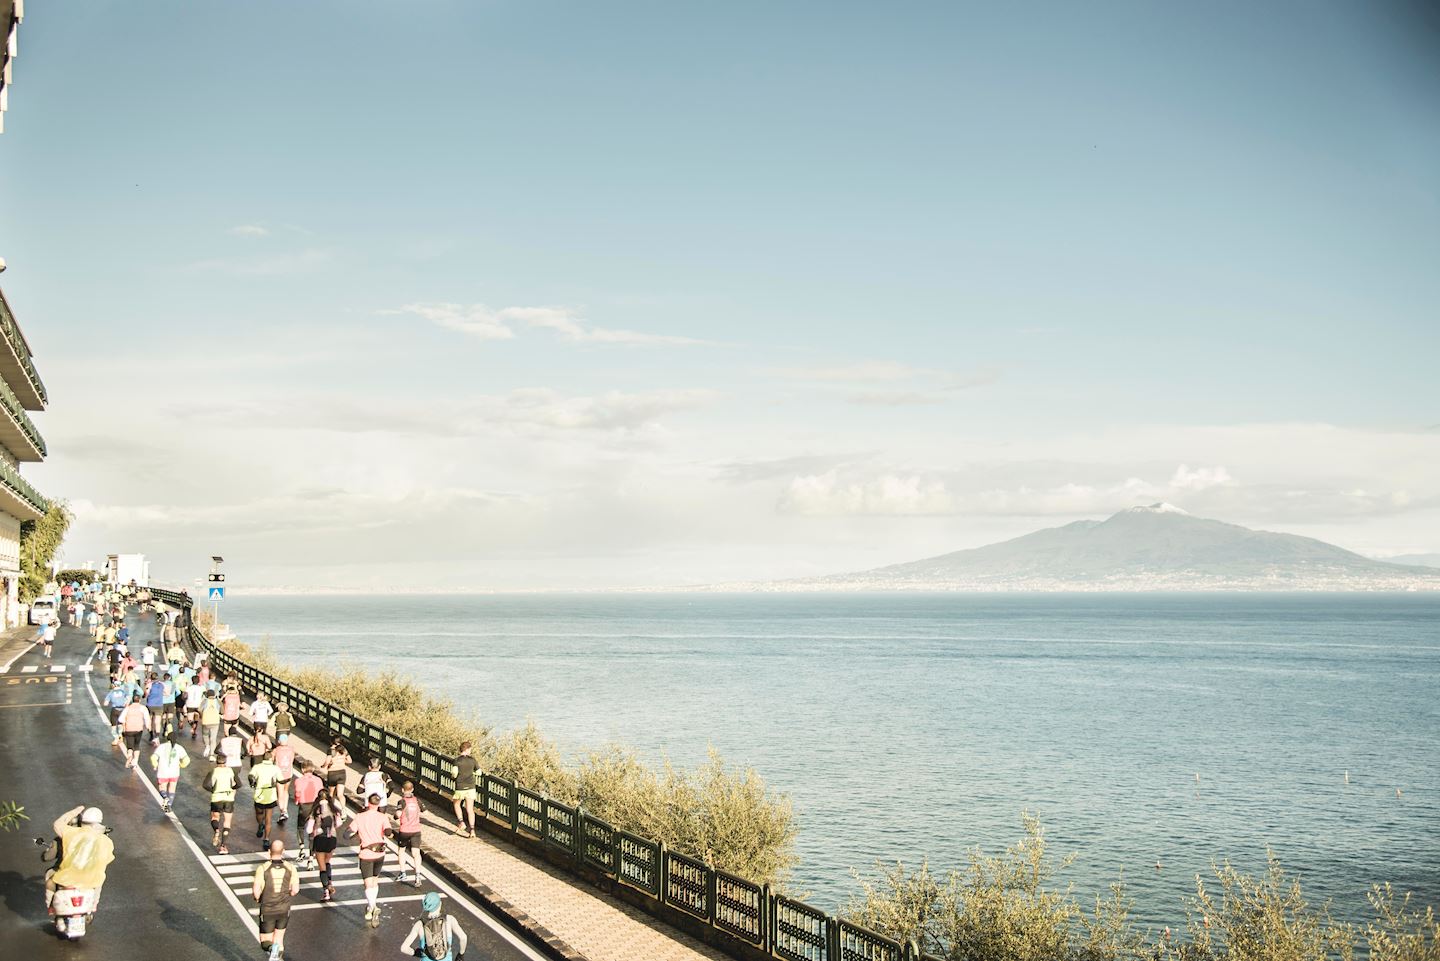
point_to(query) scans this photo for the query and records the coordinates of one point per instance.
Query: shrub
(726, 817)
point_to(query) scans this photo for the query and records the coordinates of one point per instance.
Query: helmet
(431, 903)
(283, 738)
(92, 815)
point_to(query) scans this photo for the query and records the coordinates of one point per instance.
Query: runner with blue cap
(434, 935)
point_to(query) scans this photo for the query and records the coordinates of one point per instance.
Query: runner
(308, 788)
(257, 745)
(168, 711)
(194, 705)
(230, 703)
(92, 623)
(115, 702)
(155, 701)
(210, 723)
(333, 767)
(167, 760)
(148, 653)
(321, 830)
(47, 634)
(276, 882)
(134, 722)
(221, 783)
(284, 757)
(232, 746)
(374, 781)
(260, 711)
(282, 722)
(264, 783)
(407, 830)
(464, 770)
(369, 828)
(434, 934)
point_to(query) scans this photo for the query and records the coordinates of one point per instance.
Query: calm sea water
(922, 725)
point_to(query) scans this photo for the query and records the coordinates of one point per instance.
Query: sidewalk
(576, 920)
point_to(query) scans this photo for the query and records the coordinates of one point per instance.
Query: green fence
(749, 917)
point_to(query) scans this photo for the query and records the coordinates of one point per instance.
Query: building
(127, 569)
(11, 13)
(20, 391)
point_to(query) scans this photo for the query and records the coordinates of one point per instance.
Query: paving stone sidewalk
(575, 919)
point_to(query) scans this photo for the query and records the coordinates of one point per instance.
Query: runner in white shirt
(167, 760)
(148, 655)
(194, 700)
(260, 711)
(232, 746)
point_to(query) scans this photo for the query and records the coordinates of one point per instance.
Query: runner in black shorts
(276, 883)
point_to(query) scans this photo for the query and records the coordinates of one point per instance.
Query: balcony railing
(18, 485)
(17, 344)
(17, 411)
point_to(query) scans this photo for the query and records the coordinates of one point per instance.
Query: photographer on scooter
(85, 852)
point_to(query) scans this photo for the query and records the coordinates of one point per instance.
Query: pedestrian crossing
(238, 871)
(83, 668)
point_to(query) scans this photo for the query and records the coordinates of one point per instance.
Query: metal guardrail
(16, 340)
(11, 478)
(17, 410)
(684, 889)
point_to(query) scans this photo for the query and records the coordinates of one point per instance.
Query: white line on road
(240, 911)
(29, 669)
(21, 653)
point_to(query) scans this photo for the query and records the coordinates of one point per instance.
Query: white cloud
(485, 323)
(866, 372)
(828, 493)
(1199, 479)
(250, 230)
(477, 320)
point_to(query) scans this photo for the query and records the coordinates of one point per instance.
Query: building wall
(9, 543)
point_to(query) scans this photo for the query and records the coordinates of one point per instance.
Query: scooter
(72, 908)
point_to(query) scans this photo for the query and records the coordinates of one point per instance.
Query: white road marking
(29, 669)
(320, 905)
(57, 669)
(245, 918)
(21, 653)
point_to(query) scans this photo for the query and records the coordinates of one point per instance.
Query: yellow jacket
(88, 851)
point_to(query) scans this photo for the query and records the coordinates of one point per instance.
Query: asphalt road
(168, 895)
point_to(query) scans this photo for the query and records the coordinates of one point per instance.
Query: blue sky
(733, 290)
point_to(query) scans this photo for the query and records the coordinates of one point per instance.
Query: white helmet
(92, 815)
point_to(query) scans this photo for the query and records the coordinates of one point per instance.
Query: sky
(503, 295)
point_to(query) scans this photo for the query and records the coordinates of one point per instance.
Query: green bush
(723, 816)
(998, 908)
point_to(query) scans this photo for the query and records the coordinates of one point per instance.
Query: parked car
(42, 610)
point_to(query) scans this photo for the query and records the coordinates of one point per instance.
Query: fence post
(832, 938)
(767, 919)
(662, 874)
(514, 806)
(577, 835)
(712, 894)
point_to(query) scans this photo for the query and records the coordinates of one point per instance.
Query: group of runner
(159, 696)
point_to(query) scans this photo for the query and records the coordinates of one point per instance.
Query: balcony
(15, 364)
(17, 431)
(18, 498)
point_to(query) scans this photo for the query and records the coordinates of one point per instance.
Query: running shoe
(402, 876)
(259, 832)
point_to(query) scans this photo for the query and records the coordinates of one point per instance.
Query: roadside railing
(745, 919)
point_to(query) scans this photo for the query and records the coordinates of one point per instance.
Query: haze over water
(906, 726)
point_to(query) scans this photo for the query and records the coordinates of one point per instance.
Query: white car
(42, 611)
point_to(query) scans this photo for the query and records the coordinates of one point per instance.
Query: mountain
(1415, 560)
(1159, 547)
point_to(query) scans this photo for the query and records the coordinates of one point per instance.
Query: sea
(1154, 735)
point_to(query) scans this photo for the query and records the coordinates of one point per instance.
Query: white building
(127, 569)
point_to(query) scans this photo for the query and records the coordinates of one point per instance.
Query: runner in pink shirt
(369, 827)
(407, 831)
(284, 757)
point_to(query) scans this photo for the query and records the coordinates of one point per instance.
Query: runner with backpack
(434, 935)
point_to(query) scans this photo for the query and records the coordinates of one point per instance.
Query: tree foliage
(78, 575)
(39, 540)
(724, 816)
(999, 908)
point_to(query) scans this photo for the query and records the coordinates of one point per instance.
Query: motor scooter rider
(86, 851)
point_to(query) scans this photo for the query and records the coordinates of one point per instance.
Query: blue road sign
(217, 593)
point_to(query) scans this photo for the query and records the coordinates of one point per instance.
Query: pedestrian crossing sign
(217, 593)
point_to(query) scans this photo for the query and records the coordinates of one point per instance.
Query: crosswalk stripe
(58, 668)
(28, 669)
